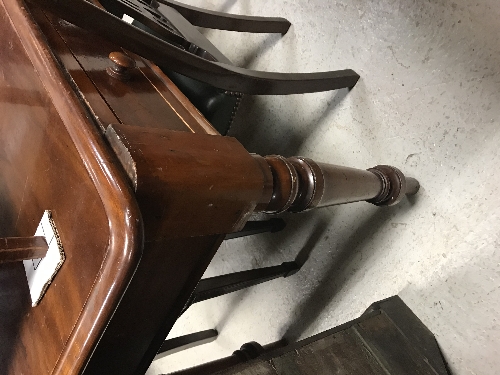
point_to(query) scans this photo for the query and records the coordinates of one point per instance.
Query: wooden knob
(122, 66)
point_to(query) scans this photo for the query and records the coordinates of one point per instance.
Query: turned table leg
(299, 184)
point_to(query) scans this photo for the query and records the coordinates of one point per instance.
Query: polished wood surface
(143, 100)
(134, 101)
(53, 157)
(13, 249)
(173, 171)
(65, 40)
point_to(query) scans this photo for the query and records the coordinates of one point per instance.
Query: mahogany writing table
(55, 101)
(141, 187)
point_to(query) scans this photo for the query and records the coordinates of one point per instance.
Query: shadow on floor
(252, 123)
(340, 269)
(320, 228)
(251, 56)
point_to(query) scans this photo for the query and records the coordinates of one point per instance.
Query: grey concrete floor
(428, 103)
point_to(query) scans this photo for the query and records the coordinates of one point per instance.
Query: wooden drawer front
(148, 99)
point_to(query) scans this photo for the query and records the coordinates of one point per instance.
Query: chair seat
(218, 106)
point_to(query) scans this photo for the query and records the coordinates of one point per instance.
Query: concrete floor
(428, 103)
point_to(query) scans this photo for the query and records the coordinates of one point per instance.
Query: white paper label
(41, 272)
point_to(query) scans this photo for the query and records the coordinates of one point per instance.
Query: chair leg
(224, 21)
(177, 344)
(247, 352)
(219, 285)
(256, 227)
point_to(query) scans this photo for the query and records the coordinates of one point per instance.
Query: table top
(121, 287)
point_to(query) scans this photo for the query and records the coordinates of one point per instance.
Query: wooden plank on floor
(342, 353)
(391, 348)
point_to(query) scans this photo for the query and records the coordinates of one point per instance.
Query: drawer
(147, 99)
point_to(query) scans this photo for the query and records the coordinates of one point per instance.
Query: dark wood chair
(164, 32)
(217, 286)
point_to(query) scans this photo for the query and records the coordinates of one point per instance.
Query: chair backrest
(186, 52)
